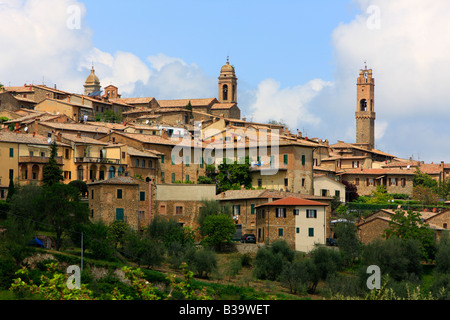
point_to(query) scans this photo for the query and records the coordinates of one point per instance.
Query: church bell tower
(365, 109)
(227, 84)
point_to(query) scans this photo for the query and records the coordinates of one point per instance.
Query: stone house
(182, 202)
(121, 198)
(243, 204)
(326, 187)
(300, 222)
(373, 226)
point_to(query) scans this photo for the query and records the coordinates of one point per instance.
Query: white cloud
(289, 105)
(408, 52)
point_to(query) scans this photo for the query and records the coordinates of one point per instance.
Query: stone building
(365, 109)
(121, 198)
(301, 223)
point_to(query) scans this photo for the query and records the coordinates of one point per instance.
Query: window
(137, 163)
(355, 164)
(119, 193)
(370, 181)
(92, 194)
(337, 193)
(285, 159)
(162, 159)
(162, 176)
(259, 183)
(187, 161)
(280, 212)
(296, 212)
(11, 152)
(120, 214)
(142, 196)
(187, 178)
(280, 232)
(311, 232)
(173, 160)
(173, 177)
(178, 210)
(311, 213)
(357, 181)
(286, 182)
(162, 209)
(143, 163)
(236, 210)
(303, 159)
(297, 230)
(303, 182)
(403, 182)
(252, 209)
(324, 192)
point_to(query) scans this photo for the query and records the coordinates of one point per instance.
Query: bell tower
(365, 109)
(227, 84)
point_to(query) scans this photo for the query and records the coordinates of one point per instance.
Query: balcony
(43, 160)
(97, 160)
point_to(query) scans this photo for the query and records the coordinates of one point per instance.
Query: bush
(300, 276)
(327, 261)
(202, 261)
(269, 260)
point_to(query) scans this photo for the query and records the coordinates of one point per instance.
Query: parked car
(248, 238)
(332, 242)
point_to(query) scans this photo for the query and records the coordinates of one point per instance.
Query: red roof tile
(292, 201)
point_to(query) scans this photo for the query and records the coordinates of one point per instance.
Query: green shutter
(252, 209)
(311, 232)
(119, 193)
(173, 159)
(173, 177)
(303, 159)
(187, 162)
(11, 152)
(187, 178)
(119, 214)
(285, 159)
(162, 176)
(162, 159)
(142, 196)
(280, 232)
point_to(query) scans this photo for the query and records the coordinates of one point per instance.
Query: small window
(120, 214)
(179, 210)
(297, 230)
(252, 209)
(280, 212)
(280, 232)
(311, 232)
(119, 193)
(296, 212)
(259, 183)
(142, 196)
(236, 210)
(173, 177)
(286, 182)
(285, 159)
(162, 209)
(311, 213)
(187, 178)
(11, 152)
(162, 159)
(92, 194)
(303, 159)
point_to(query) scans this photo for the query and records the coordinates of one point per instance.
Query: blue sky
(297, 61)
(288, 40)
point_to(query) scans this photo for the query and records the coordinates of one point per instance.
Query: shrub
(269, 260)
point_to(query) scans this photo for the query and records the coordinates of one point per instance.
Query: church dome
(227, 68)
(92, 79)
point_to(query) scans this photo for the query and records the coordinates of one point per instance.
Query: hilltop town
(157, 153)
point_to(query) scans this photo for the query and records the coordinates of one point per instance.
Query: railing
(97, 160)
(33, 159)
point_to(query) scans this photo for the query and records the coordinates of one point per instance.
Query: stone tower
(227, 84)
(92, 83)
(365, 109)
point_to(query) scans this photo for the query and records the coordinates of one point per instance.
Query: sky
(296, 60)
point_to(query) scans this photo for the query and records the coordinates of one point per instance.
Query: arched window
(225, 92)
(120, 171)
(233, 97)
(111, 172)
(363, 105)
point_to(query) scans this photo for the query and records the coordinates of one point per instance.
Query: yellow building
(75, 111)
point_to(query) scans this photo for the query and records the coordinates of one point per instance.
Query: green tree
(234, 175)
(270, 259)
(52, 173)
(423, 179)
(81, 186)
(349, 246)
(409, 225)
(11, 190)
(62, 208)
(327, 261)
(202, 261)
(380, 196)
(300, 276)
(218, 230)
(97, 240)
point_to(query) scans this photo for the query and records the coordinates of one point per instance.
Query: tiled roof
(82, 140)
(6, 136)
(145, 153)
(185, 102)
(76, 127)
(292, 201)
(222, 106)
(118, 180)
(136, 100)
(379, 171)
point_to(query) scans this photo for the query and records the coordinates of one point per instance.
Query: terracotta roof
(185, 102)
(76, 127)
(136, 100)
(118, 180)
(293, 201)
(264, 194)
(378, 171)
(6, 136)
(145, 153)
(222, 106)
(155, 139)
(82, 140)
